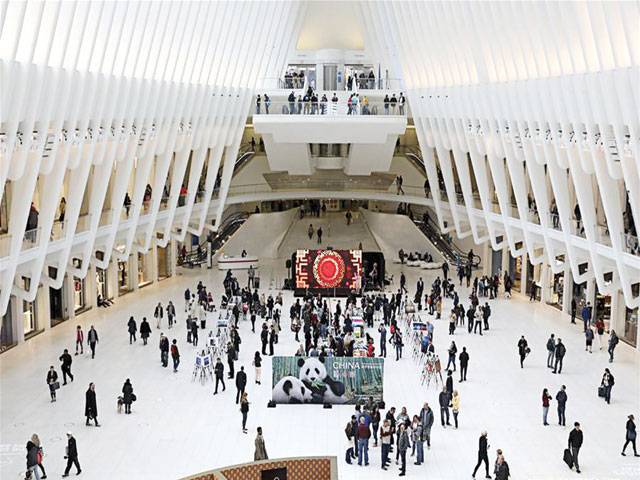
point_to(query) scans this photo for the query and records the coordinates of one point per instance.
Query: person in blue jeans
(363, 441)
(613, 341)
(418, 442)
(385, 440)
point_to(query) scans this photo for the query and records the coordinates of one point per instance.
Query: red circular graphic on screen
(328, 269)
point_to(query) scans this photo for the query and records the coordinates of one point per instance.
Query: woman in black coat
(145, 330)
(90, 406)
(132, 328)
(128, 396)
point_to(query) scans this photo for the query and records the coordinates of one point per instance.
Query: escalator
(452, 253)
(198, 255)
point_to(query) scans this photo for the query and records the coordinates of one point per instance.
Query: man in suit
(72, 455)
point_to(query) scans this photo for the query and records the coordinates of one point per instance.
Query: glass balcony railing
(31, 238)
(329, 108)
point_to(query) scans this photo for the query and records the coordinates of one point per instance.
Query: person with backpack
(613, 342)
(559, 354)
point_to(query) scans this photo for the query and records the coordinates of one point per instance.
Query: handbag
(55, 385)
(602, 391)
(133, 397)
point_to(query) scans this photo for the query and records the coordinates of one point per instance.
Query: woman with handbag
(630, 437)
(90, 406)
(128, 396)
(52, 381)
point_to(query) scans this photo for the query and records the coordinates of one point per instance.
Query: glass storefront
(124, 282)
(7, 339)
(144, 270)
(515, 271)
(102, 285)
(602, 308)
(557, 290)
(79, 295)
(56, 305)
(164, 262)
(630, 334)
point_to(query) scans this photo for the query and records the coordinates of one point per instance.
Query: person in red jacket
(79, 340)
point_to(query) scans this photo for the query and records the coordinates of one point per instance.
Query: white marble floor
(179, 428)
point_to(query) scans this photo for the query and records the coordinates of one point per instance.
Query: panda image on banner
(324, 389)
(290, 390)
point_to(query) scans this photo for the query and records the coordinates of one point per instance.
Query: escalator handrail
(448, 249)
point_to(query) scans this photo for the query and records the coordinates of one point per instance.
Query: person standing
(455, 403)
(164, 350)
(231, 358)
(523, 350)
(145, 330)
(219, 372)
(545, 406)
(175, 355)
(72, 455)
(127, 396)
(261, 451)
(132, 328)
(574, 308)
(272, 339)
(79, 340)
(241, 383)
(385, 440)
(319, 234)
(257, 363)
(453, 350)
(418, 443)
(551, 348)
(630, 437)
(403, 446)
(66, 360)
(483, 446)
(363, 442)
(90, 405)
(244, 409)
(588, 335)
(586, 315)
(464, 363)
(443, 400)
(613, 342)
(608, 381)
(171, 313)
(264, 338)
(559, 354)
(158, 313)
(52, 381)
(575, 442)
(561, 398)
(427, 419)
(383, 340)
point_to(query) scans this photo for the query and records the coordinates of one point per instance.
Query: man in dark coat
(231, 357)
(241, 383)
(132, 328)
(164, 350)
(92, 337)
(72, 455)
(145, 330)
(443, 400)
(219, 371)
(66, 360)
(464, 363)
(90, 406)
(483, 456)
(575, 442)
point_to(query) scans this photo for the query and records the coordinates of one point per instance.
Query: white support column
(568, 289)
(591, 291)
(618, 311)
(545, 282)
(91, 292)
(42, 308)
(487, 257)
(133, 271)
(153, 260)
(523, 274)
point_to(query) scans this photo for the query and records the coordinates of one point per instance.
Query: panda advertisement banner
(336, 380)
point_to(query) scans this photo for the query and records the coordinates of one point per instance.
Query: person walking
(157, 314)
(52, 381)
(244, 409)
(194, 332)
(483, 456)
(600, 331)
(145, 330)
(164, 350)
(545, 406)
(171, 313)
(403, 446)
(39, 455)
(127, 396)
(453, 350)
(443, 400)
(613, 342)
(66, 360)
(464, 363)
(397, 341)
(241, 383)
(575, 442)
(523, 350)
(90, 405)
(79, 340)
(383, 340)
(559, 354)
(219, 372)
(630, 437)
(257, 363)
(261, 451)
(574, 310)
(608, 381)
(72, 455)
(551, 348)
(132, 329)
(175, 355)
(455, 403)
(588, 335)
(92, 339)
(363, 442)
(32, 460)
(561, 398)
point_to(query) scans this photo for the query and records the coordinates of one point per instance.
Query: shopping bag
(568, 458)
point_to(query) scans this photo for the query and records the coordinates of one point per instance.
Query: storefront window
(56, 305)
(603, 308)
(79, 295)
(164, 262)
(144, 270)
(29, 312)
(124, 285)
(630, 334)
(7, 339)
(557, 290)
(102, 285)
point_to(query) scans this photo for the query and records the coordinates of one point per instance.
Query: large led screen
(337, 270)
